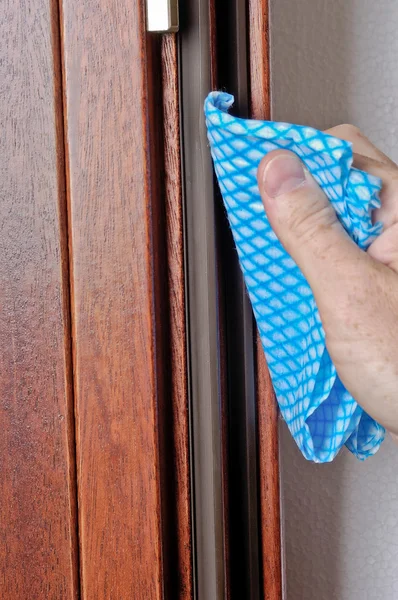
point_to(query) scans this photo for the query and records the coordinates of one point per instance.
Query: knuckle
(346, 131)
(313, 221)
(352, 129)
(393, 175)
(385, 248)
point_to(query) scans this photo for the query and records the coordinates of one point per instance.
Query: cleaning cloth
(320, 413)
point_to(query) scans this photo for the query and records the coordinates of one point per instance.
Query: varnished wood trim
(266, 403)
(213, 45)
(269, 481)
(259, 64)
(38, 550)
(177, 317)
(115, 221)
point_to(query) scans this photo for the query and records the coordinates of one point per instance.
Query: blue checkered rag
(320, 413)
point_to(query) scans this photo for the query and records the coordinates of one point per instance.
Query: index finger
(360, 143)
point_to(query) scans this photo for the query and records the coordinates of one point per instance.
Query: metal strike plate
(162, 15)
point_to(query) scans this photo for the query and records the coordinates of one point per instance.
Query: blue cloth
(320, 413)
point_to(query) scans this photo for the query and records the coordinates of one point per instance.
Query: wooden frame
(38, 528)
(140, 451)
(180, 466)
(128, 318)
(268, 451)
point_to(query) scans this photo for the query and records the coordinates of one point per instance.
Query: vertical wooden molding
(213, 44)
(183, 588)
(259, 63)
(266, 403)
(38, 549)
(116, 220)
(269, 480)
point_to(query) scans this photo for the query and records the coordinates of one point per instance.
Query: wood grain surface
(177, 342)
(38, 541)
(259, 64)
(271, 550)
(115, 217)
(266, 404)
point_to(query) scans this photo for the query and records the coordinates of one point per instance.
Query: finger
(388, 173)
(385, 248)
(360, 143)
(369, 158)
(307, 226)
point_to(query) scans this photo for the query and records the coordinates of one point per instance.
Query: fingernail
(283, 174)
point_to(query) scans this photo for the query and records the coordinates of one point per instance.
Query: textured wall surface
(335, 62)
(341, 525)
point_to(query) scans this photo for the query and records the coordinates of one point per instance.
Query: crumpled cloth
(321, 414)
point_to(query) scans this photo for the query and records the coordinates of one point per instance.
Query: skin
(356, 292)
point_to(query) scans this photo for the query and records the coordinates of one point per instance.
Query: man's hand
(356, 292)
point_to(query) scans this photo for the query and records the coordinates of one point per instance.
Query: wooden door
(139, 439)
(38, 522)
(127, 441)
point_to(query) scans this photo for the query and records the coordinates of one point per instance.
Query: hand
(356, 292)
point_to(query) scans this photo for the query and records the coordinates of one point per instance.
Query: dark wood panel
(115, 224)
(259, 64)
(213, 62)
(269, 481)
(267, 413)
(38, 545)
(183, 569)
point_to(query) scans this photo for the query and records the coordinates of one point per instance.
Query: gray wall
(336, 61)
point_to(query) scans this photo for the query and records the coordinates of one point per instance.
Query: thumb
(306, 224)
